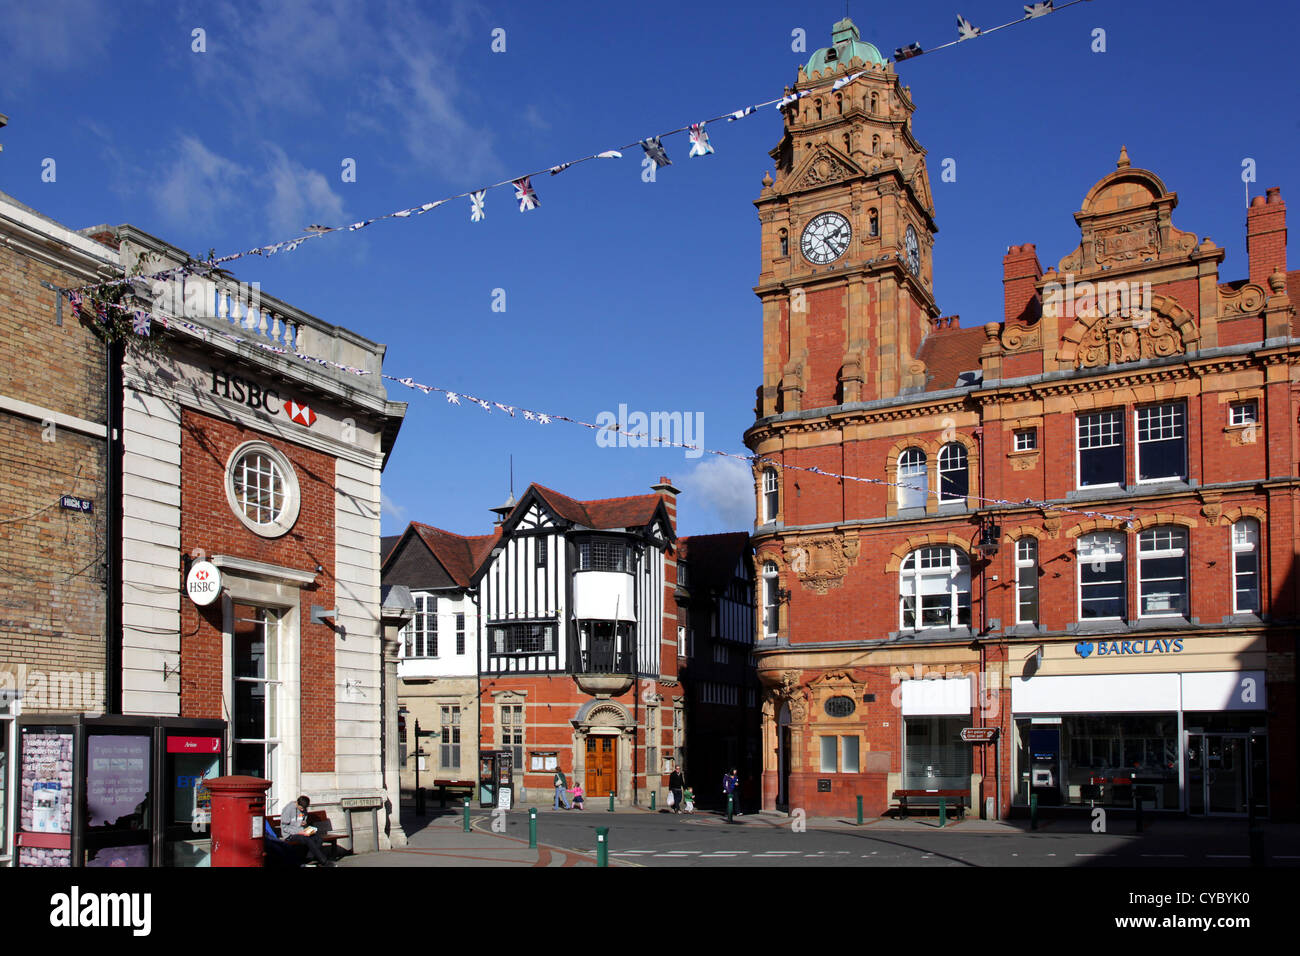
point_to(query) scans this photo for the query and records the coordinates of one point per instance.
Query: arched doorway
(604, 740)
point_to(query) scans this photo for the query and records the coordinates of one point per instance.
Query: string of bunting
(526, 193)
(142, 320)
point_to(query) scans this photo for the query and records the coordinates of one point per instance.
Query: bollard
(1033, 811)
(611, 801)
(729, 807)
(652, 801)
(532, 828)
(602, 846)
(859, 809)
(466, 815)
(943, 812)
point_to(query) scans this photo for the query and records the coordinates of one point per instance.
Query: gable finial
(1123, 162)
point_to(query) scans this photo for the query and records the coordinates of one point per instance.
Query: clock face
(826, 238)
(913, 251)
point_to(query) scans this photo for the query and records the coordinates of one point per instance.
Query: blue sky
(617, 291)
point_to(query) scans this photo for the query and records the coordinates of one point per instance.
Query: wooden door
(601, 778)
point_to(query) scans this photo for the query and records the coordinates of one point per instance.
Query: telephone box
(496, 770)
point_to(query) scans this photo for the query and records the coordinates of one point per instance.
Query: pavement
(639, 837)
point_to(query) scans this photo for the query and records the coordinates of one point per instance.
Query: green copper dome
(848, 43)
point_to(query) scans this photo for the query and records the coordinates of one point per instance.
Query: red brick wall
(208, 523)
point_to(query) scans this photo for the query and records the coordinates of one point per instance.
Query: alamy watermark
(1126, 299)
(39, 689)
(658, 429)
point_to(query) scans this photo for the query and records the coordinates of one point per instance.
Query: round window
(262, 489)
(840, 706)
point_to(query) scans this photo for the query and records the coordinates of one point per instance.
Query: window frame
(272, 621)
(1246, 403)
(771, 495)
(1030, 433)
(771, 602)
(1027, 564)
(1079, 421)
(287, 515)
(1179, 548)
(415, 637)
(908, 494)
(449, 747)
(1121, 556)
(513, 732)
(1180, 417)
(951, 450)
(1254, 549)
(957, 564)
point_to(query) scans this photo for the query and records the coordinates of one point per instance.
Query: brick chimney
(1020, 274)
(1266, 236)
(669, 493)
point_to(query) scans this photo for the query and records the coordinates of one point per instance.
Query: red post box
(238, 809)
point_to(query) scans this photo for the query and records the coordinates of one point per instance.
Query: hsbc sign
(203, 583)
(260, 398)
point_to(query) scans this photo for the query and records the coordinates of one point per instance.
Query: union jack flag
(700, 145)
(476, 213)
(526, 195)
(140, 323)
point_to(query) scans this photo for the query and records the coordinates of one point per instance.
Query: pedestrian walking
(577, 796)
(675, 784)
(729, 784)
(561, 790)
(688, 794)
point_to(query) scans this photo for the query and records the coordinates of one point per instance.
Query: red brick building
(1077, 524)
(571, 616)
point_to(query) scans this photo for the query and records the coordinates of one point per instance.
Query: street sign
(978, 735)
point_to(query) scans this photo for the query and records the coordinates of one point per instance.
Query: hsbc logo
(259, 398)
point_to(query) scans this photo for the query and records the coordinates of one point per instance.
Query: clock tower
(847, 232)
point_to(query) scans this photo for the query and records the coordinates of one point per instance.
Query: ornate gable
(825, 167)
(1116, 331)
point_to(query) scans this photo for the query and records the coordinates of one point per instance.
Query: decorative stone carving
(789, 683)
(1019, 337)
(824, 168)
(1024, 461)
(1125, 243)
(1211, 507)
(1117, 339)
(821, 561)
(1052, 523)
(1247, 300)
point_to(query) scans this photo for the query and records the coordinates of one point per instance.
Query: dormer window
(604, 554)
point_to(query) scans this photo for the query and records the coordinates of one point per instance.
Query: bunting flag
(526, 195)
(655, 150)
(700, 145)
(652, 145)
(140, 323)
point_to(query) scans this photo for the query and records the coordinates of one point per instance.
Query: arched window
(1162, 572)
(818, 104)
(1027, 580)
(771, 605)
(785, 243)
(875, 145)
(1101, 577)
(875, 103)
(771, 495)
(1245, 566)
(913, 479)
(954, 472)
(873, 222)
(839, 102)
(934, 589)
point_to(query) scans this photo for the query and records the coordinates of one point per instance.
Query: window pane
(1027, 581)
(850, 746)
(1101, 576)
(913, 479)
(1162, 451)
(1101, 448)
(954, 475)
(828, 764)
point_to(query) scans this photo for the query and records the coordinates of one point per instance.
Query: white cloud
(390, 509)
(53, 35)
(299, 196)
(198, 186)
(723, 487)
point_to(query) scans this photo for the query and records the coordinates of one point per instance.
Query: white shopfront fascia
(1139, 693)
(946, 697)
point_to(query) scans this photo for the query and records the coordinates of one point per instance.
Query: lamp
(990, 539)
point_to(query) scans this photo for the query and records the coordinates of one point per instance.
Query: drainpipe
(113, 529)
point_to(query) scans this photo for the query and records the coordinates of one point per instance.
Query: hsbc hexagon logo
(302, 414)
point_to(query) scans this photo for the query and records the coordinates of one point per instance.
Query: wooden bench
(958, 796)
(316, 818)
(444, 785)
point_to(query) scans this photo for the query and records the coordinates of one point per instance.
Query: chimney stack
(1266, 236)
(1020, 274)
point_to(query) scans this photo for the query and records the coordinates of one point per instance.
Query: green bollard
(729, 807)
(532, 828)
(466, 815)
(652, 801)
(611, 802)
(943, 812)
(602, 846)
(859, 809)
(1033, 811)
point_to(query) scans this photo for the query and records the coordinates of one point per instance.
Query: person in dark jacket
(675, 784)
(298, 831)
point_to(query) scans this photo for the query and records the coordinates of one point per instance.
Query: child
(577, 795)
(688, 800)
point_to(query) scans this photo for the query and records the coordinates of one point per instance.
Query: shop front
(7, 727)
(1192, 742)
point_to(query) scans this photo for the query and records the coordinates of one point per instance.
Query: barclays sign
(1107, 648)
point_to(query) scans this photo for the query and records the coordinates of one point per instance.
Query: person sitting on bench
(296, 830)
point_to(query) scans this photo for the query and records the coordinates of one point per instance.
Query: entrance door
(1218, 774)
(601, 776)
